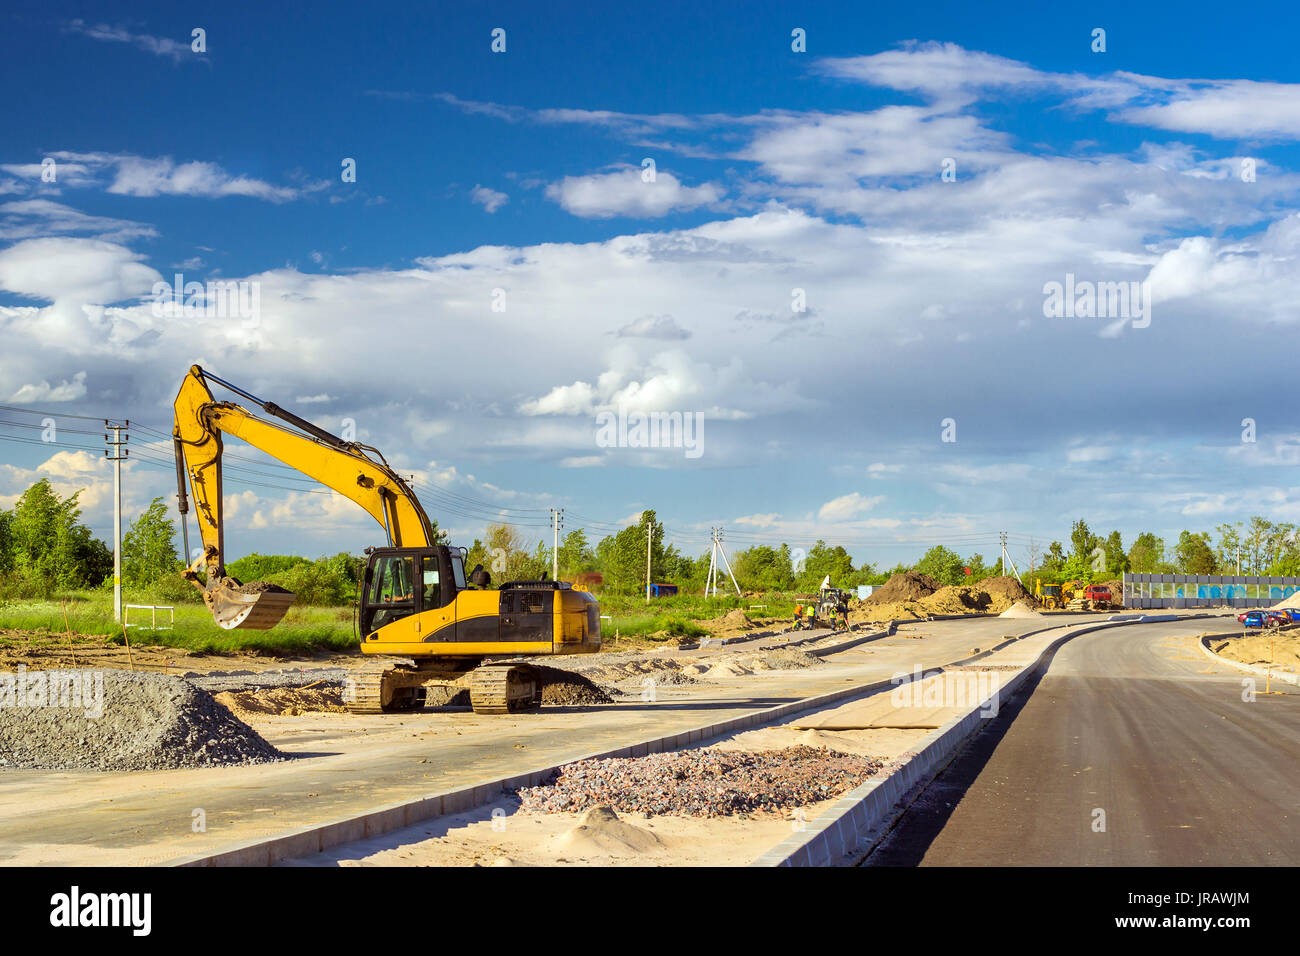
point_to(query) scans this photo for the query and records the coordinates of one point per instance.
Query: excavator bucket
(255, 606)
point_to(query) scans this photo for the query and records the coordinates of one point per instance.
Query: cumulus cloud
(489, 199)
(848, 506)
(66, 391)
(623, 192)
(653, 327)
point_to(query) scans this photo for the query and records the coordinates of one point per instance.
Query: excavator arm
(355, 471)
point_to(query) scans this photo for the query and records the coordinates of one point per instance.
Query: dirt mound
(119, 720)
(566, 689)
(908, 586)
(1292, 601)
(1005, 591)
(283, 702)
(892, 611)
(955, 599)
(707, 782)
(737, 618)
(1020, 609)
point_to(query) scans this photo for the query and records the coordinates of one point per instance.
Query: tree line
(45, 549)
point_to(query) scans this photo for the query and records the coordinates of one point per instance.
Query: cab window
(431, 581)
(458, 572)
(392, 594)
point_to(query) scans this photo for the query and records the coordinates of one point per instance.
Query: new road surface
(1131, 748)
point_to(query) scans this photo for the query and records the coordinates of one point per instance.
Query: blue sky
(775, 170)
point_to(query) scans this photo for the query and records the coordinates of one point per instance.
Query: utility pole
(1002, 540)
(116, 452)
(557, 519)
(649, 539)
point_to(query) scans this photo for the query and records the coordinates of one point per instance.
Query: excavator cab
(400, 582)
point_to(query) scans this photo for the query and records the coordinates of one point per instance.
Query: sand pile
(908, 586)
(1020, 609)
(119, 720)
(599, 830)
(1292, 601)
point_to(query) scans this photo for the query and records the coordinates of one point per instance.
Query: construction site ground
(347, 764)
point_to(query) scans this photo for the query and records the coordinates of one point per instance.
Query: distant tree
(764, 568)
(1116, 559)
(1054, 560)
(823, 560)
(1229, 550)
(978, 569)
(622, 557)
(148, 547)
(1147, 554)
(576, 555)
(942, 564)
(1194, 554)
(1083, 542)
(50, 549)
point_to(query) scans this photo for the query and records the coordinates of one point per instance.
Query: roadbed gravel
(706, 782)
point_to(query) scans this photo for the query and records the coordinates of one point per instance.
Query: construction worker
(810, 611)
(798, 615)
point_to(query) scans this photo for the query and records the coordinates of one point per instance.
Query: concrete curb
(1286, 676)
(861, 817)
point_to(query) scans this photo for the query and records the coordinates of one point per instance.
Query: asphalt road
(1134, 722)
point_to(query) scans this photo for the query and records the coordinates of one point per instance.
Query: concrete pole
(555, 552)
(115, 456)
(649, 539)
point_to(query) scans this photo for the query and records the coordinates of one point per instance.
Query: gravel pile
(703, 783)
(144, 722)
(784, 659)
(567, 689)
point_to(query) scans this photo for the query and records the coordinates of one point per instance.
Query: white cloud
(66, 391)
(848, 506)
(489, 199)
(167, 47)
(624, 193)
(654, 327)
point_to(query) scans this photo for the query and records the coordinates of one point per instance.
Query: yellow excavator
(416, 605)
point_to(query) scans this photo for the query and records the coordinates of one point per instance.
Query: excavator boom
(346, 467)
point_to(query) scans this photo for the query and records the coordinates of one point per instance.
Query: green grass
(303, 630)
(306, 629)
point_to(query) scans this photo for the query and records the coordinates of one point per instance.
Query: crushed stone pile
(562, 688)
(142, 721)
(703, 783)
(908, 586)
(783, 659)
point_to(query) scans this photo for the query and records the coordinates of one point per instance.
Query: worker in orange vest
(798, 616)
